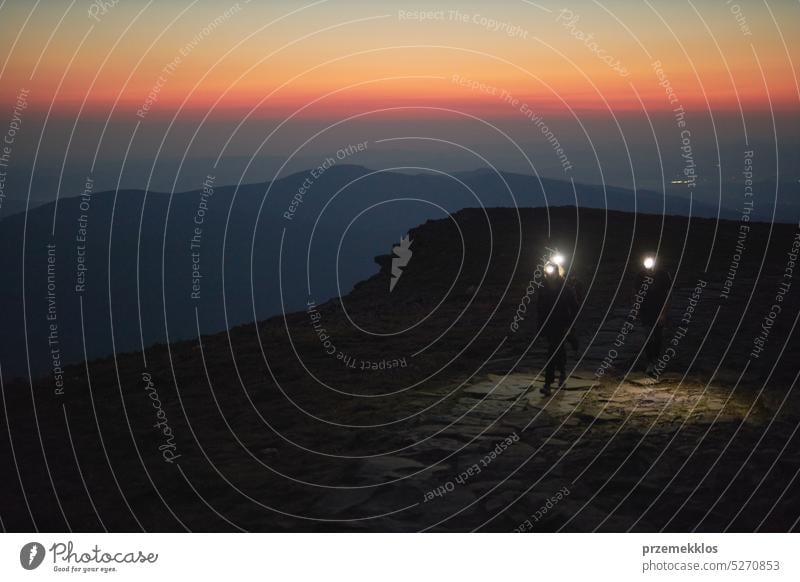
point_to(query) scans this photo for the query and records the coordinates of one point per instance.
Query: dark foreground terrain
(413, 409)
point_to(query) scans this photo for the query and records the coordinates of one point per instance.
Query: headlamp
(649, 262)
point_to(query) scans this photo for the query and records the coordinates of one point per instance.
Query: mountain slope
(139, 265)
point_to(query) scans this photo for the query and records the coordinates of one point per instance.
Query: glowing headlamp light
(557, 259)
(649, 262)
(549, 268)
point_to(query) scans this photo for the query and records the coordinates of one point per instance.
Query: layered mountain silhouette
(144, 275)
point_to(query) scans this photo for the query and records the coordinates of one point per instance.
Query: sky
(215, 79)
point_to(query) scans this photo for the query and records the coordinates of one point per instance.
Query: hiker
(579, 291)
(556, 309)
(654, 307)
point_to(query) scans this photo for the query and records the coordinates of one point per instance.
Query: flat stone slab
(562, 400)
(643, 380)
(499, 387)
(572, 383)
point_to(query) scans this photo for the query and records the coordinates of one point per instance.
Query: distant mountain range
(148, 267)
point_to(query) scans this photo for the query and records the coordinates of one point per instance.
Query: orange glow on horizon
(354, 61)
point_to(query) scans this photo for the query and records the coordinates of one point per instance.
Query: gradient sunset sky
(374, 55)
(241, 69)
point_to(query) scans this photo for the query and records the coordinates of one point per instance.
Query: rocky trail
(418, 408)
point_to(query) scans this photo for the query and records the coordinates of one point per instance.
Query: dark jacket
(578, 288)
(556, 307)
(656, 297)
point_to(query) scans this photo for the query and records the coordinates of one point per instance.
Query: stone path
(504, 451)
